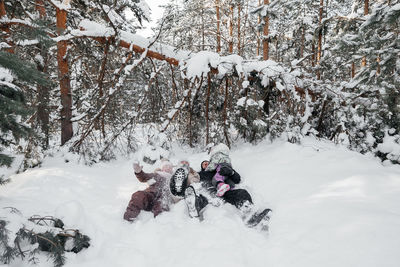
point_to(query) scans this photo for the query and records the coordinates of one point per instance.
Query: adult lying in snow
(157, 197)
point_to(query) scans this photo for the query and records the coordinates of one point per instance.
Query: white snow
(332, 207)
(199, 64)
(5, 75)
(63, 5)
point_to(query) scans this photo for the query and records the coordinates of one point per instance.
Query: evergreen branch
(2, 180)
(23, 70)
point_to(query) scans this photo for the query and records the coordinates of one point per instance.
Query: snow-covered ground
(332, 207)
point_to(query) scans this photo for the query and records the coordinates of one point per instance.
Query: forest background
(74, 74)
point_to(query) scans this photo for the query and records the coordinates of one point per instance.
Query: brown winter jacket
(160, 186)
(156, 198)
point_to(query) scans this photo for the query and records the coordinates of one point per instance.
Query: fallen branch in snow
(24, 238)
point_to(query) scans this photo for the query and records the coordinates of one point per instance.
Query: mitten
(225, 170)
(136, 167)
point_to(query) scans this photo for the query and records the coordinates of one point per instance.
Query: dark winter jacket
(235, 197)
(206, 177)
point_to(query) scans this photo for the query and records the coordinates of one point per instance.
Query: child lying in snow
(156, 198)
(220, 162)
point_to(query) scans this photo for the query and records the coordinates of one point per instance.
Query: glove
(137, 168)
(226, 171)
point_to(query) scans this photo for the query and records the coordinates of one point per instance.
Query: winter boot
(222, 188)
(194, 202)
(178, 182)
(260, 218)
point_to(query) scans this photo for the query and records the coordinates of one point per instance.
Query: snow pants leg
(140, 200)
(237, 197)
(157, 207)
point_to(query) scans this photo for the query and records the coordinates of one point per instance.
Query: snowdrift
(332, 207)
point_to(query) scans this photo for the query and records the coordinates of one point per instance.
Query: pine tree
(374, 114)
(14, 73)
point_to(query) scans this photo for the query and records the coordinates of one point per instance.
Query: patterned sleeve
(194, 177)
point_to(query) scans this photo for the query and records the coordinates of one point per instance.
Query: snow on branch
(5, 20)
(128, 40)
(64, 5)
(203, 62)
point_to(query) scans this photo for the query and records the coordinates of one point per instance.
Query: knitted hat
(166, 166)
(219, 148)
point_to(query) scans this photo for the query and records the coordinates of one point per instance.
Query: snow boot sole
(260, 219)
(179, 182)
(194, 203)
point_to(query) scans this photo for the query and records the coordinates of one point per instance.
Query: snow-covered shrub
(389, 149)
(250, 120)
(24, 238)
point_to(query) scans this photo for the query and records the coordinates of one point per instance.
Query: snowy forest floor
(332, 207)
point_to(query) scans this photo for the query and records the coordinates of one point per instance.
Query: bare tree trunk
(202, 29)
(366, 7)
(228, 143)
(3, 12)
(258, 32)
(378, 68)
(190, 118)
(366, 11)
(63, 75)
(302, 41)
(218, 27)
(207, 108)
(6, 28)
(353, 70)
(313, 54)
(246, 20)
(265, 37)
(319, 49)
(99, 124)
(43, 92)
(39, 4)
(231, 30)
(174, 86)
(238, 28)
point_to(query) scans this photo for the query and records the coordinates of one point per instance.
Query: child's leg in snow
(157, 207)
(237, 197)
(140, 200)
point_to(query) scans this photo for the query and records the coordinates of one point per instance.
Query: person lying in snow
(157, 197)
(225, 177)
(182, 177)
(181, 185)
(240, 198)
